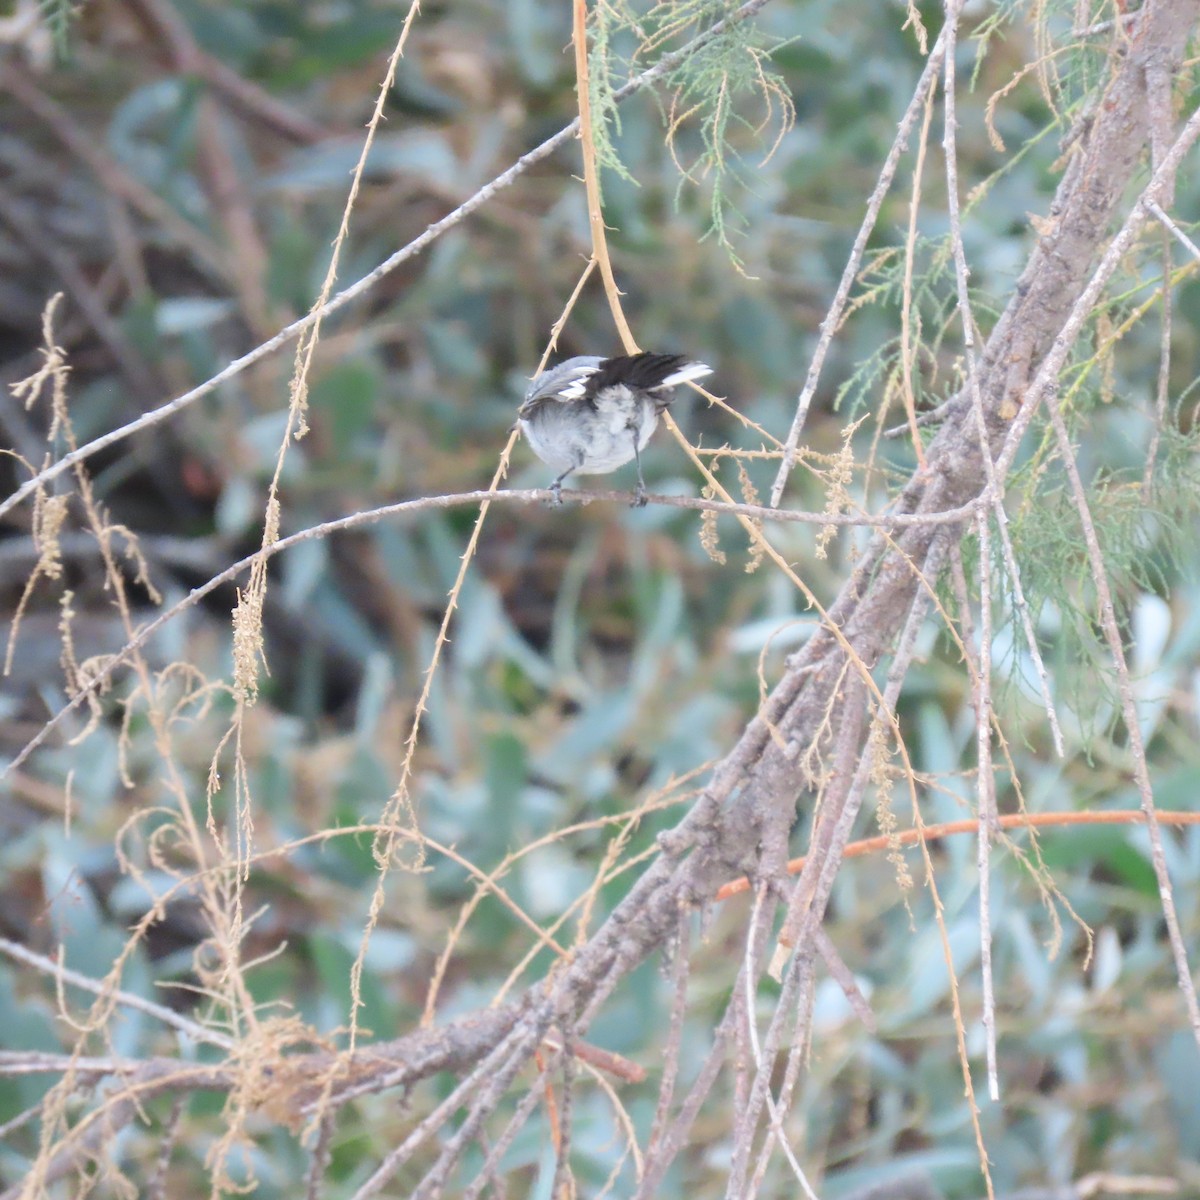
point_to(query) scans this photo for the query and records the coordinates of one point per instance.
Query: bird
(590, 415)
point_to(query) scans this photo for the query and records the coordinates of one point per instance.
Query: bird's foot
(556, 500)
(639, 496)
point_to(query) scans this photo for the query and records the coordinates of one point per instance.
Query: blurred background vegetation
(178, 169)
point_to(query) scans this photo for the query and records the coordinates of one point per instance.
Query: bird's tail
(687, 373)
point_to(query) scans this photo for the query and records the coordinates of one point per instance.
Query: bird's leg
(639, 496)
(556, 488)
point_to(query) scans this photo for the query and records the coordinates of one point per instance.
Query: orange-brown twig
(1117, 816)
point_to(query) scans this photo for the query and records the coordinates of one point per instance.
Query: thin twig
(970, 825)
(1104, 26)
(669, 1146)
(1162, 395)
(761, 1065)
(139, 1082)
(1129, 713)
(844, 977)
(986, 781)
(487, 1172)
(562, 1187)
(797, 1052)
(469, 1086)
(833, 318)
(907, 365)
(985, 774)
(167, 1016)
(979, 671)
(670, 1056)
(1177, 233)
(156, 1187)
(21, 1120)
(485, 1100)
(807, 907)
(320, 1155)
(591, 176)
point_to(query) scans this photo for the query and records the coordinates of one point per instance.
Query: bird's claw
(556, 500)
(639, 496)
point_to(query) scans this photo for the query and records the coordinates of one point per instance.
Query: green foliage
(58, 15)
(724, 99)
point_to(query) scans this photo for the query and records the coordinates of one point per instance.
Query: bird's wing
(559, 386)
(653, 374)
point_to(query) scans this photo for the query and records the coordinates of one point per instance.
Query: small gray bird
(591, 415)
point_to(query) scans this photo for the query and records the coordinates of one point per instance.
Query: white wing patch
(576, 389)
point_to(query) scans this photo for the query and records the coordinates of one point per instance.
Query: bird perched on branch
(591, 415)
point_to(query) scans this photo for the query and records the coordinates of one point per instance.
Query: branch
(408, 508)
